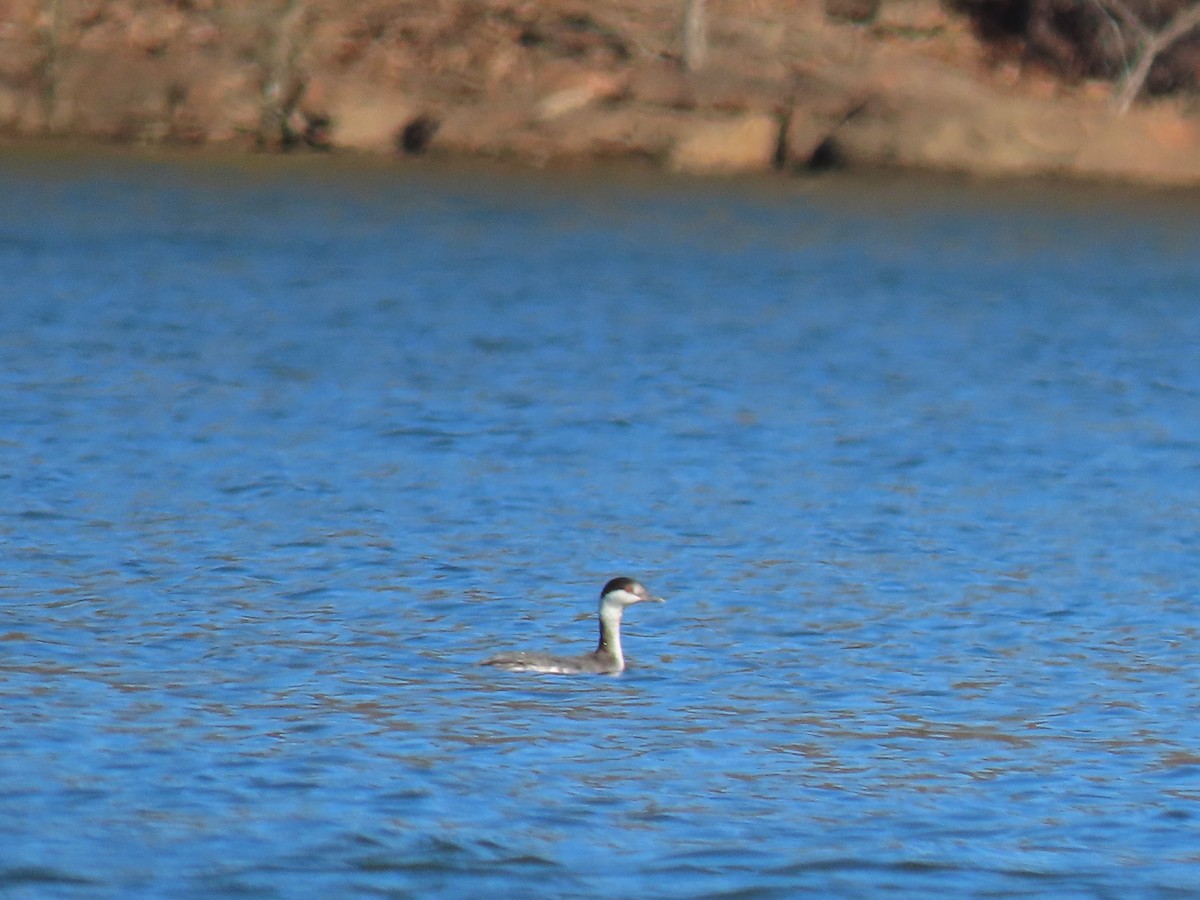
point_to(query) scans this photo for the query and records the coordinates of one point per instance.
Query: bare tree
(50, 67)
(695, 35)
(281, 85)
(1150, 45)
(272, 36)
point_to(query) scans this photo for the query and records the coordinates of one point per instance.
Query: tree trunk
(50, 69)
(279, 73)
(695, 35)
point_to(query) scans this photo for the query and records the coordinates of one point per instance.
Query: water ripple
(286, 458)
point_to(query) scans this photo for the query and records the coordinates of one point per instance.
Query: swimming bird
(607, 659)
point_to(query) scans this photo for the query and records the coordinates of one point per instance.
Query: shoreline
(867, 187)
(554, 85)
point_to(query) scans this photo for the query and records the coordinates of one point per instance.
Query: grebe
(607, 658)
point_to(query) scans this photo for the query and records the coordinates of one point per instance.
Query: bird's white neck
(610, 631)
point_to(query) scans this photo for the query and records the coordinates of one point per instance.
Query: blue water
(288, 448)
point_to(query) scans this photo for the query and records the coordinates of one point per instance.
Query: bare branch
(1128, 17)
(1152, 45)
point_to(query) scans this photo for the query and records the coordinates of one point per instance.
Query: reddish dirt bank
(783, 85)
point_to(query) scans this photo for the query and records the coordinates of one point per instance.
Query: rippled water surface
(286, 452)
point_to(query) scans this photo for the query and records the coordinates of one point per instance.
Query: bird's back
(597, 663)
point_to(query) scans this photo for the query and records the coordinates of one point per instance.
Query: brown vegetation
(1002, 87)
